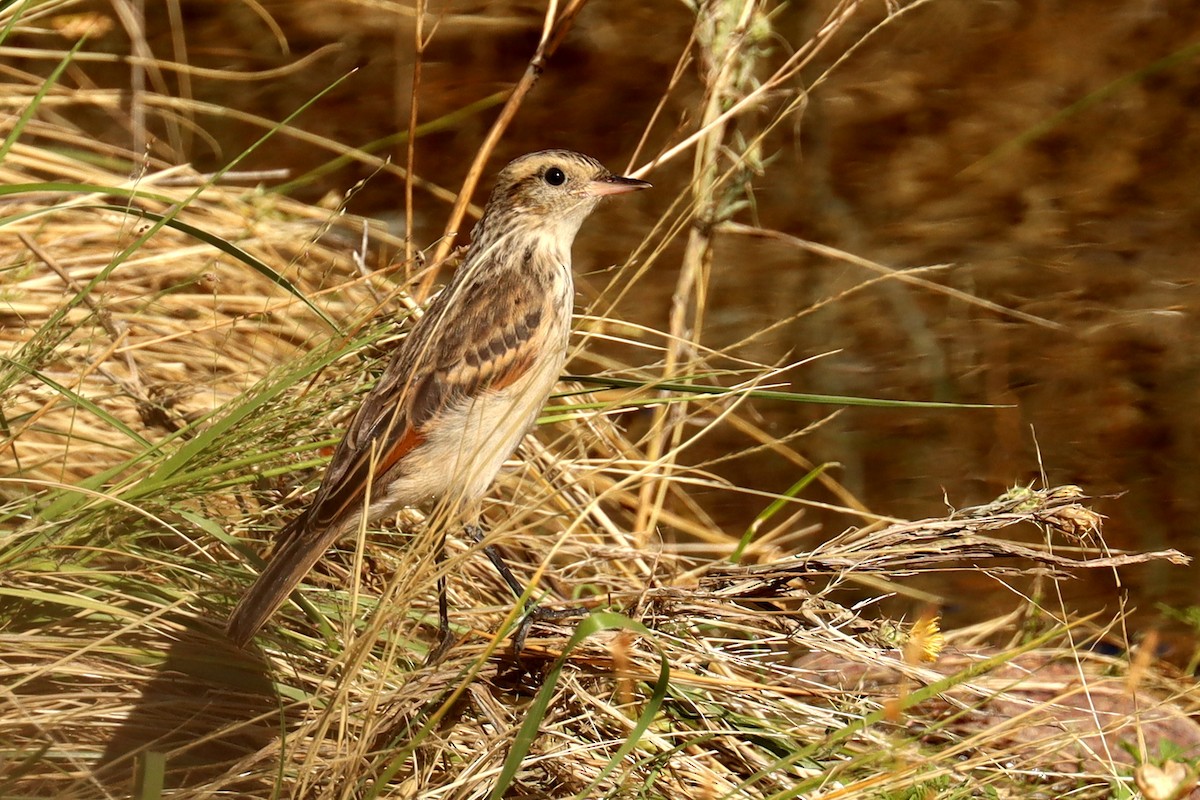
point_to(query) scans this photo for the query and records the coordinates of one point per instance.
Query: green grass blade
(78, 400)
(170, 472)
(151, 775)
(648, 715)
(12, 23)
(859, 724)
(443, 123)
(26, 115)
(557, 413)
(593, 624)
(768, 394)
(203, 433)
(1035, 132)
(52, 330)
(206, 439)
(15, 770)
(231, 249)
(772, 510)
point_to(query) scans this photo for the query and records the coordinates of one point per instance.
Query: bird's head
(550, 192)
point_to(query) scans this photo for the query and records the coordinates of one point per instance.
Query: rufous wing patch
(402, 447)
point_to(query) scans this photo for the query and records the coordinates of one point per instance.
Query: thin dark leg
(533, 612)
(445, 635)
(476, 533)
(443, 610)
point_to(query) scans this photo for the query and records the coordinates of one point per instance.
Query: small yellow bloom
(925, 640)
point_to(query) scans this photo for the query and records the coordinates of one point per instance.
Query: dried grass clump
(165, 396)
(156, 333)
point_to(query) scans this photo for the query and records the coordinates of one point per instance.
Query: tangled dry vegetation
(179, 349)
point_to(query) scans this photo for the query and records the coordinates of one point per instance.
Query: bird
(464, 386)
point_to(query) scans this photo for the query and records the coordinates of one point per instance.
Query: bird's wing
(477, 336)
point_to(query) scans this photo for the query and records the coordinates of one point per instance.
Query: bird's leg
(443, 610)
(533, 611)
(445, 635)
(493, 555)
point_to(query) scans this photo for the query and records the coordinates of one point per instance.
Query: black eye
(555, 176)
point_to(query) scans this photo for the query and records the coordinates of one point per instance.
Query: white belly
(464, 454)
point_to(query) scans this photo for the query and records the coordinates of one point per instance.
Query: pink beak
(614, 184)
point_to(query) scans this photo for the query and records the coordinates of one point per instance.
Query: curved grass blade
(449, 121)
(50, 332)
(160, 478)
(769, 394)
(79, 400)
(169, 472)
(659, 694)
(594, 623)
(866, 721)
(1040, 129)
(26, 115)
(22, 543)
(68, 187)
(229, 248)
(772, 510)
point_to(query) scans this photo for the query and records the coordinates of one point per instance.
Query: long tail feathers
(299, 551)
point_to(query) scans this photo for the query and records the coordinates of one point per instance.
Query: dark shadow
(209, 705)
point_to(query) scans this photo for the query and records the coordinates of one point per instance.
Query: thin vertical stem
(721, 27)
(553, 33)
(410, 156)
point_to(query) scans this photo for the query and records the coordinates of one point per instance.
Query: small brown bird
(465, 385)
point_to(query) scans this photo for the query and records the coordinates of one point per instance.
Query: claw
(541, 614)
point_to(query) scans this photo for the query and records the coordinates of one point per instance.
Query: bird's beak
(614, 184)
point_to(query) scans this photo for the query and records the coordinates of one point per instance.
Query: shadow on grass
(210, 705)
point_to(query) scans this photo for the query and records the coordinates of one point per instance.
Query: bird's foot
(446, 638)
(541, 614)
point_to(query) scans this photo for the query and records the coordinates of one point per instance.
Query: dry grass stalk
(110, 643)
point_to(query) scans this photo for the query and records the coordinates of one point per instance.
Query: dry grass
(165, 402)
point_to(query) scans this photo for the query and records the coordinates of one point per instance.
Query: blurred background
(1046, 153)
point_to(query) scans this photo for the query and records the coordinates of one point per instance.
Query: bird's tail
(299, 550)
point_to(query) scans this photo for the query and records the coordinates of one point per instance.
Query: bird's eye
(555, 176)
